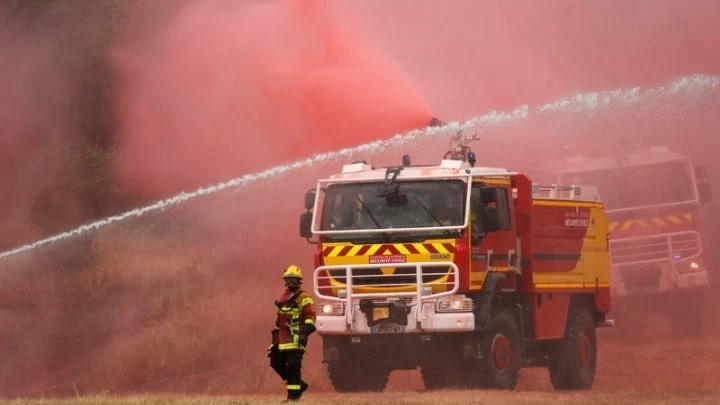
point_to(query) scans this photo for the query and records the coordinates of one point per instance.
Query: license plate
(388, 328)
(381, 313)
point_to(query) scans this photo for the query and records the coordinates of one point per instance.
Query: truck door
(491, 249)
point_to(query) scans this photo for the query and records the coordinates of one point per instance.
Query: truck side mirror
(306, 225)
(704, 192)
(310, 199)
(490, 219)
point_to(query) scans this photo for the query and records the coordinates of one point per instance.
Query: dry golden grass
(161, 311)
(409, 398)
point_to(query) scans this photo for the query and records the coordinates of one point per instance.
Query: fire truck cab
(652, 198)
(467, 273)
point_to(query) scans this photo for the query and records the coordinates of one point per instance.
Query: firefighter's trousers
(287, 365)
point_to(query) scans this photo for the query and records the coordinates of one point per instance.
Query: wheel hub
(501, 352)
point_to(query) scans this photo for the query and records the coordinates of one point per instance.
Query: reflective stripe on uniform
(292, 345)
(310, 321)
(293, 387)
(305, 301)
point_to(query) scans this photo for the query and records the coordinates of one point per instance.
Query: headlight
(689, 267)
(331, 308)
(454, 303)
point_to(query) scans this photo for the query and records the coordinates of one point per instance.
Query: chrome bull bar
(326, 292)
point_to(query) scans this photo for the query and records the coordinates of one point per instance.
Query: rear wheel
(573, 361)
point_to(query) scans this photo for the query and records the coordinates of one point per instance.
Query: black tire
(501, 350)
(573, 361)
(630, 317)
(686, 314)
(434, 377)
(357, 377)
(453, 373)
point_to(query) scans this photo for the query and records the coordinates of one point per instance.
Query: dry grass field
(176, 308)
(410, 398)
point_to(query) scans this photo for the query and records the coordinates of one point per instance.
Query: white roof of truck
(446, 169)
(579, 163)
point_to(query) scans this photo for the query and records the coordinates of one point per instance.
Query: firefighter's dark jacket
(295, 317)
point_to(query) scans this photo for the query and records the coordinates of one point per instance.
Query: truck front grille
(655, 248)
(400, 276)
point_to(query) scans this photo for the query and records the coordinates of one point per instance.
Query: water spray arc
(688, 86)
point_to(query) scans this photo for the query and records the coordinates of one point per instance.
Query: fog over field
(179, 297)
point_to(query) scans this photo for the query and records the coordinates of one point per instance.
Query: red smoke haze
(228, 88)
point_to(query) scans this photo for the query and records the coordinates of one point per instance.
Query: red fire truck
(467, 273)
(652, 197)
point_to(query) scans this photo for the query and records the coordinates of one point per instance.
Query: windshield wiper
(432, 215)
(362, 204)
(370, 214)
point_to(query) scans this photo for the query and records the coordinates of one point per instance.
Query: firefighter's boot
(295, 395)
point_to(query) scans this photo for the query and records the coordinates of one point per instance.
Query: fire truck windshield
(639, 185)
(427, 203)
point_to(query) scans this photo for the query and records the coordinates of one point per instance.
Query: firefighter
(294, 323)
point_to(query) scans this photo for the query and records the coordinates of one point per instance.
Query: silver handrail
(320, 274)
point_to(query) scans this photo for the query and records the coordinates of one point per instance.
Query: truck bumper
(429, 322)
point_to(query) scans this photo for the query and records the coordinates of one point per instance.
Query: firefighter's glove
(307, 329)
(302, 340)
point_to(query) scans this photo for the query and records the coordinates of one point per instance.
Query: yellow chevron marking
(658, 221)
(402, 249)
(354, 250)
(629, 224)
(674, 219)
(335, 251)
(688, 216)
(440, 248)
(373, 249)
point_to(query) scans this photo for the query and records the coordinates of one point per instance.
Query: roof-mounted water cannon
(459, 149)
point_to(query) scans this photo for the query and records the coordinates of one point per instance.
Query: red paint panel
(345, 250)
(602, 300)
(558, 233)
(430, 248)
(550, 315)
(462, 260)
(523, 210)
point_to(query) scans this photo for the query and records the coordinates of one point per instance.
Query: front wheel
(356, 376)
(573, 361)
(501, 352)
